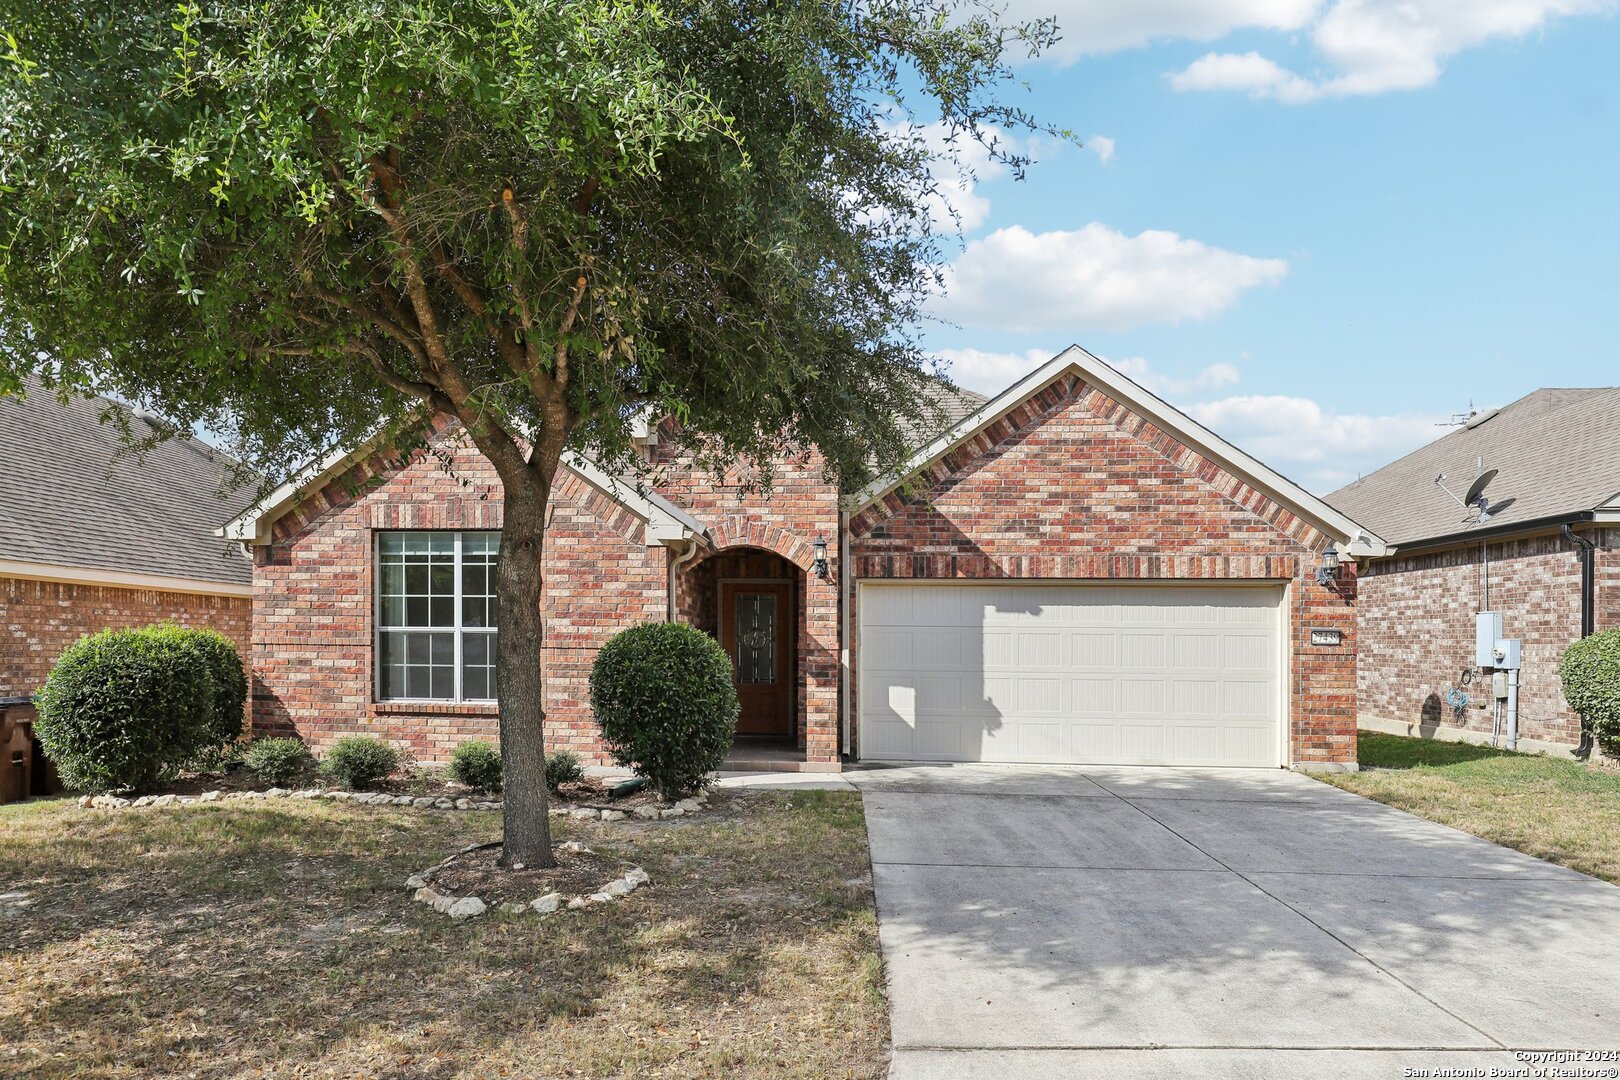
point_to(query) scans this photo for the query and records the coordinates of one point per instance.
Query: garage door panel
(1060, 672)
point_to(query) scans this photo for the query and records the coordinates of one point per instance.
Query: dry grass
(1559, 810)
(277, 940)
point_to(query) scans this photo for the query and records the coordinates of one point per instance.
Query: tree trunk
(518, 679)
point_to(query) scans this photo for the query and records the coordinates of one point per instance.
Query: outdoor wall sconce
(820, 565)
(1328, 572)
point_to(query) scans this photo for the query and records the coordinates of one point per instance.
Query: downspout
(1586, 554)
(675, 565)
(846, 587)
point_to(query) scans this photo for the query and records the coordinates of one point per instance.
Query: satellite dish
(1477, 490)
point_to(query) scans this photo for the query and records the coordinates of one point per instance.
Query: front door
(756, 630)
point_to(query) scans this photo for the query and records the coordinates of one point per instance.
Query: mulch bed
(476, 873)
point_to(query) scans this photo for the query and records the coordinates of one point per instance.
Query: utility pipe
(1513, 709)
(846, 594)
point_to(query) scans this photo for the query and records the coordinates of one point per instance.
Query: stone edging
(469, 907)
(644, 812)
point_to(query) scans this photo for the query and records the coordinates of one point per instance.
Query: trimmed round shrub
(360, 762)
(278, 762)
(663, 697)
(478, 765)
(1590, 670)
(230, 680)
(126, 709)
(563, 767)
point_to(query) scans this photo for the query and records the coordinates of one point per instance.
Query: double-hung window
(436, 616)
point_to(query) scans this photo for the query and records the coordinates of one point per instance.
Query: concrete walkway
(1047, 922)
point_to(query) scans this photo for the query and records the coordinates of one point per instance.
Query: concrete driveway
(1045, 922)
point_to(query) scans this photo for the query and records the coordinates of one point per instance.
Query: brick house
(1546, 555)
(95, 536)
(1073, 572)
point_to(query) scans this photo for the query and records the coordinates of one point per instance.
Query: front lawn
(257, 939)
(1555, 809)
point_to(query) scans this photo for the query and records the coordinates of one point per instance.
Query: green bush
(662, 694)
(278, 762)
(360, 762)
(126, 709)
(1590, 670)
(563, 767)
(478, 765)
(230, 680)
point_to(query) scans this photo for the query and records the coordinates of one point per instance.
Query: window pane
(391, 665)
(392, 543)
(756, 637)
(478, 667)
(416, 579)
(442, 611)
(416, 611)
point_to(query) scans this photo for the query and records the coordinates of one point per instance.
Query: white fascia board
(252, 526)
(118, 579)
(666, 522)
(1357, 540)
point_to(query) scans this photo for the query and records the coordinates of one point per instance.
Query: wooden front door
(756, 630)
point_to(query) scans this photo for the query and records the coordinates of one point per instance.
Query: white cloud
(1212, 377)
(1089, 27)
(1310, 443)
(991, 372)
(1299, 437)
(1374, 46)
(958, 165)
(1103, 147)
(1095, 278)
(1250, 72)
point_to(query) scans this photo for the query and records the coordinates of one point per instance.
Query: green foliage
(360, 762)
(278, 762)
(1590, 670)
(290, 220)
(563, 767)
(663, 696)
(478, 765)
(126, 709)
(225, 670)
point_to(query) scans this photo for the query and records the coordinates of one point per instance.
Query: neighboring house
(94, 535)
(1076, 572)
(1557, 460)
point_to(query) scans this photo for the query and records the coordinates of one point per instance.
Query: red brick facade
(1069, 485)
(1073, 485)
(38, 619)
(1418, 635)
(313, 619)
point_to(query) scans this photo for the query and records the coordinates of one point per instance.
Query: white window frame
(459, 631)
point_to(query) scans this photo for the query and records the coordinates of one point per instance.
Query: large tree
(300, 221)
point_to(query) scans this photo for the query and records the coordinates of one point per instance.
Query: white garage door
(1137, 675)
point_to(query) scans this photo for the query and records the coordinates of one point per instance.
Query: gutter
(1552, 522)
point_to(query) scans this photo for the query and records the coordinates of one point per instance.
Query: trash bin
(17, 749)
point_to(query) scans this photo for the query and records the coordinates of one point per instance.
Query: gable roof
(666, 522)
(1555, 450)
(75, 496)
(1356, 539)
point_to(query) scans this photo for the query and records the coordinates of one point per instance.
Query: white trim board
(1356, 539)
(666, 523)
(118, 579)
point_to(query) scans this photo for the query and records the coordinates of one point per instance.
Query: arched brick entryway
(754, 566)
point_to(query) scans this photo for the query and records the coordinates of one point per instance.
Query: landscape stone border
(459, 908)
(643, 812)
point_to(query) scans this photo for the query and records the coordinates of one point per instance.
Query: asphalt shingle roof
(1555, 450)
(73, 494)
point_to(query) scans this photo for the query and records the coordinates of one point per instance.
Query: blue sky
(1320, 226)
